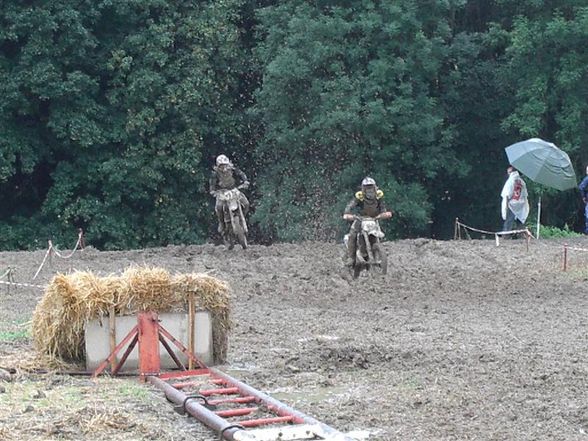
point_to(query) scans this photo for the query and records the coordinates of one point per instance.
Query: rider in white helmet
(368, 202)
(226, 176)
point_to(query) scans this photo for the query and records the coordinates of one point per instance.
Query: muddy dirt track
(462, 340)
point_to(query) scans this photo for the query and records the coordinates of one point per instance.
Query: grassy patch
(20, 334)
(18, 396)
(135, 390)
(411, 383)
(46, 409)
(578, 274)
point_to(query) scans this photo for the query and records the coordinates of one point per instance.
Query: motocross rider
(369, 203)
(225, 176)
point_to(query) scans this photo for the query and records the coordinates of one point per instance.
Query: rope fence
(10, 281)
(8, 277)
(79, 244)
(27, 285)
(9, 273)
(459, 227)
(52, 250)
(566, 249)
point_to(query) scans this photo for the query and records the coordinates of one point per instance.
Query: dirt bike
(369, 255)
(235, 226)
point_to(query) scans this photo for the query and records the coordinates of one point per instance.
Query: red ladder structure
(230, 407)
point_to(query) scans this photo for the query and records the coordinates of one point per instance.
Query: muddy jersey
(366, 207)
(225, 178)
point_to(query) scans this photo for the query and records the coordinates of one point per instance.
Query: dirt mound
(460, 340)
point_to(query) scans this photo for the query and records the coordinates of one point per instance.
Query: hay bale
(70, 301)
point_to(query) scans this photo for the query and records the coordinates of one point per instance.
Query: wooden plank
(191, 318)
(112, 335)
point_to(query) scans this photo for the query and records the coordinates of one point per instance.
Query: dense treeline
(112, 111)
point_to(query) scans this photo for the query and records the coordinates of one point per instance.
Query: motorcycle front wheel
(380, 255)
(240, 234)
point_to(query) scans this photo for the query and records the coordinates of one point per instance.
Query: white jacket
(514, 196)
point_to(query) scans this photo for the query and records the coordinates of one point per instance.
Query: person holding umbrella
(515, 205)
(544, 163)
(584, 192)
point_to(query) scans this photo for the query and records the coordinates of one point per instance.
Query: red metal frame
(184, 374)
(219, 391)
(126, 354)
(266, 421)
(149, 359)
(239, 400)
(148, 334)
(203, 409)
(133, 333)
(236, 412)
(181, 347)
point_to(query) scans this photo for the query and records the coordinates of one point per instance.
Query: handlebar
(359, 218)
(217, 193)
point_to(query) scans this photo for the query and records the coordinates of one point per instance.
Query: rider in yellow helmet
(369, 202)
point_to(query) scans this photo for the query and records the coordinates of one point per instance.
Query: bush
(548, 232)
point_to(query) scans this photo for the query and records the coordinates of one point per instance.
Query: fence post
(82, 240)
(527, 238)
(565, 257)
(455, 229)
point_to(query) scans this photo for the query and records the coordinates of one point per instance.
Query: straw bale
(70, 301)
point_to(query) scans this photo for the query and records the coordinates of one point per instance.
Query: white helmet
(368, 181)
(222, 159)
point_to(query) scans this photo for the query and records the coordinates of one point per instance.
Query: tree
(113, 109)
(548, 78)
(350, 90)
(475, 102)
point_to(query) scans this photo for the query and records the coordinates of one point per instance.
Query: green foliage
(546, 74)
(474, 101)
(106, 109)
(350, 91)
(134, 391)
(547, 60)
(549, 232)
(111, 112)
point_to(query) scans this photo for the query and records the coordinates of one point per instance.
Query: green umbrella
(543, 163)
